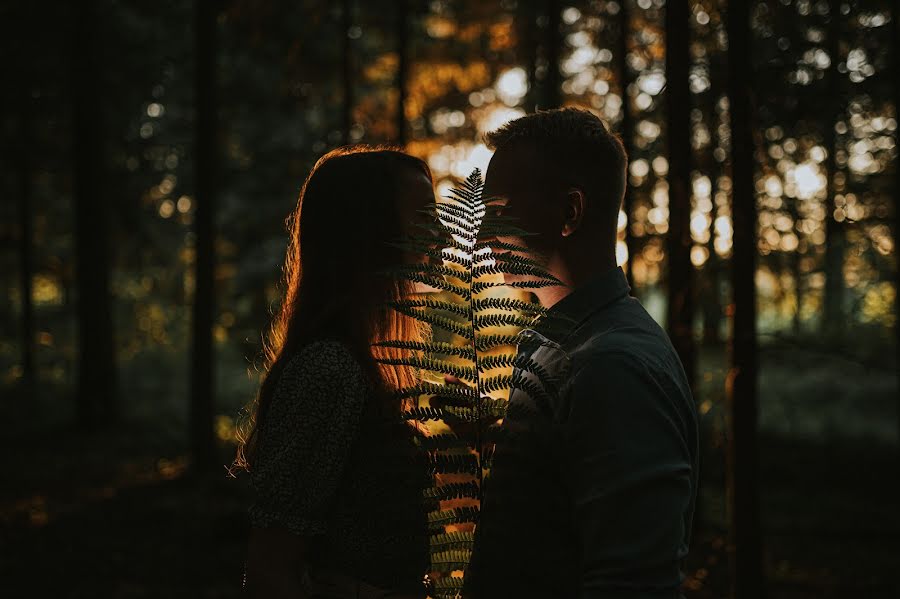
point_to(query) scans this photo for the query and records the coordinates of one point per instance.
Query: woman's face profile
(416, 192)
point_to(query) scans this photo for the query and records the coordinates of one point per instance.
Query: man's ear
(574, 211)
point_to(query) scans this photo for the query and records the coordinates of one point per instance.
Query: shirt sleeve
(305, 439)
(627, 465)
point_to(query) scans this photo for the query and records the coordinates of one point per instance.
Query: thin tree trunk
(530, 41)
(627, 134)
(745, 545)
(834, 229)
(346, 69)
(895, 18)
(551, 96)
(402, 67)
(96, 375)
(202, 371)
(26, 237)
(680, 309)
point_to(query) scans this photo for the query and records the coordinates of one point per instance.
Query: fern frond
(440, 228)
(457, 515)
(431, 304)
(506, 303)
(447, 561)
(499, 320)
(452, 540)
(433, 270)
(448, 586)
(508, 258)
(416, 243)
(496, 383)
(432, 347)
(440, 283)
(513, 269)
(450, 491)
(423, 414)
(502, 230)
(460, 372)
(463, 329)
(535, 284)
(486, 342)
(454, 209)
(452, 463)
(458, 392)
(499, 245)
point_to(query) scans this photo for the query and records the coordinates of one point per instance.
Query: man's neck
(573, 275)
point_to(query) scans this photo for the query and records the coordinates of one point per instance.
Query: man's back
(593, 483)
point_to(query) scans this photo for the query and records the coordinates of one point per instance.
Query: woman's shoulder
(329, 355)
(322, 362)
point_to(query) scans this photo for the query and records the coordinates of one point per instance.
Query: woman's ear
(574, 212)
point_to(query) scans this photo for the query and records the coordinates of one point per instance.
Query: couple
(594, 498)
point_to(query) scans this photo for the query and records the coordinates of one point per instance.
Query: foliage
(466, 274)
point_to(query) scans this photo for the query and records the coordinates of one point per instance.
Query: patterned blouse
(331, 468)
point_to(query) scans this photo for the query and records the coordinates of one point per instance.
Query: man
(592, 487)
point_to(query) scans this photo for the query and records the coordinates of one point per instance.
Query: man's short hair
(578, 149)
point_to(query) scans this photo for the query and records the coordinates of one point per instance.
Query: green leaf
(498, 320)
(506, 303)
(452, 540)
(450, 491)
(433, 347)
(452, 463)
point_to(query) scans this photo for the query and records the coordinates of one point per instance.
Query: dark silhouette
(337, 485)
(593, 481)
(742, 472)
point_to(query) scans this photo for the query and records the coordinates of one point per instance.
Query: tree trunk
(551, 89)
(346, 70)
(402, 67)
(205, 159)
(745, 545)
(895, 19)
(96, 373)
(834, 229)
(26, 236)
(680, 308)
(627, 132)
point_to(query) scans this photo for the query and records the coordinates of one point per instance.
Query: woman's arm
(301, 456)
(276, 565)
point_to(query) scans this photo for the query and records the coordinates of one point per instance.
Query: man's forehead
(510, 166)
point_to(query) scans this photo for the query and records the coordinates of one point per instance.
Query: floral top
(331, 468)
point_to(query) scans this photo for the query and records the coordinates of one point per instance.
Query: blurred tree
(205, 164)
(402, 41)
(626, 128)
(24, 152)
(550, 94)
(680, 306)
(895, 19)
(95, 395)
(743, 493)
(347, 68)
(835, 111)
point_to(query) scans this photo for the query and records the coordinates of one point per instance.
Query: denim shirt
(594, 478)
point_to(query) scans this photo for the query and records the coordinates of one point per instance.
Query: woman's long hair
(333, 280)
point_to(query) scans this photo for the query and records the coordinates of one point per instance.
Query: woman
(338, 508)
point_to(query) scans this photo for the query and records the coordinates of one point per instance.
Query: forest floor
(113, 516)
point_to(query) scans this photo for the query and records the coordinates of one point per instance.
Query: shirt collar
(598, 292)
